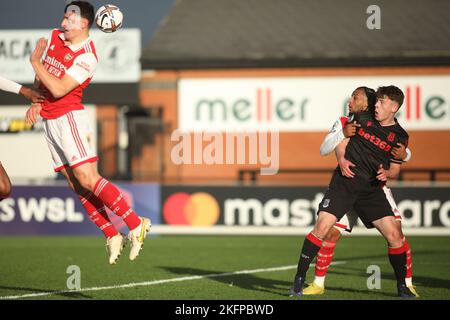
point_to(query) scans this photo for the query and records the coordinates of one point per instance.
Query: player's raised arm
(57, 87)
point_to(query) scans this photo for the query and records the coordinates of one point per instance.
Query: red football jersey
(78, 61)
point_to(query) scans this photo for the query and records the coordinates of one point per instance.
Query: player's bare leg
(88, 177)
(391, 231)
(115, 242)
(311, 246)
(323, 261)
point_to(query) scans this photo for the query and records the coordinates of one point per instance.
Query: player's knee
(321, 230)
(333, 235)
(87, 183)
(395, 238)
(86, 180)
(323, 224)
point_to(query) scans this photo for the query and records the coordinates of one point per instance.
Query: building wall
(297, 149)
(107, 139)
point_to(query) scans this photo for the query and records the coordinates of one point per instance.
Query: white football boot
(114, 246)
(137, 237)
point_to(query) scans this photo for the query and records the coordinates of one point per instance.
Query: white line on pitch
(151, 283)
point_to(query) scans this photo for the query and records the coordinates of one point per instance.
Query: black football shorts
(345, 194)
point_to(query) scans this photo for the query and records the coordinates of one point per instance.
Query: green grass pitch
(38, 265)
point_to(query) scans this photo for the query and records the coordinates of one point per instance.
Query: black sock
(398, 262)
(311, 247)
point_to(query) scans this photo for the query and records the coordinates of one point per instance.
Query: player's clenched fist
(350, 129)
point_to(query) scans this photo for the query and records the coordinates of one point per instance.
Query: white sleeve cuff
(331, 141)
(408, 155)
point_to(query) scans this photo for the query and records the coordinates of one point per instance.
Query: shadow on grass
(74, 295)
(244, 281)
(417, 256)
(281, 288)
(365, 292)
(422, 281)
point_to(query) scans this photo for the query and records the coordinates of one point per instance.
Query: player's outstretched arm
(57, 87)
(32, 95)
(9, 86)
(14, 87)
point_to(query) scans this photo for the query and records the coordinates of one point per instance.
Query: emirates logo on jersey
(67, 57)
(391, 136)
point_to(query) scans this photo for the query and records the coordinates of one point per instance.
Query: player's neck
(387, 122)
(79, 38)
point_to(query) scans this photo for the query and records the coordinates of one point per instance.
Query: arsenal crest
(391, 136)
(67, 57)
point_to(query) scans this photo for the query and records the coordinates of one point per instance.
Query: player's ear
(84, 23)
(395, 107)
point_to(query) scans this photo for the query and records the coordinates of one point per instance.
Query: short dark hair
(86, 10)
(392, 92)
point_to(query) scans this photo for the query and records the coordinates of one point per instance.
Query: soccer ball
(109, 18)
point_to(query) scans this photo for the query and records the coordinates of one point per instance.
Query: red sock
(114, 200)
(408, 260)
(96, 211)
(324, 258)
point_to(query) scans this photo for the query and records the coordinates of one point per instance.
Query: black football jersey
(372, 145)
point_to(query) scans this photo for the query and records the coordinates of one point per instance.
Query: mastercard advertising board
(202, 206)
(288, 207)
